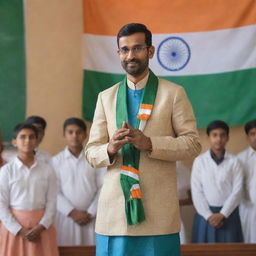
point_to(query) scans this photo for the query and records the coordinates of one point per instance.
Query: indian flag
(207, 46)
(12, 66)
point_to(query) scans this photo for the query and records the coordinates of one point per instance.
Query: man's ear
(14, 142)
(151, 51)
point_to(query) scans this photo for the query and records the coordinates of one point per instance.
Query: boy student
(185, 201)
(27, 200)
(80, 185)
(216, 184)
(248, 206)
(40, 124)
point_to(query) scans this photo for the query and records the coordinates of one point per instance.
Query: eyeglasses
(136, 49)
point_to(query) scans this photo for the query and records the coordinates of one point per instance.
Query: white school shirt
(248, 161)
(247, 208)
(186, 211)
(10, 154)
(216, 185)
(24, 188)
(183, 180)
(43, 155)
(79, 183)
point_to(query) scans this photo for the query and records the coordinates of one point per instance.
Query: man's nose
(130, 54)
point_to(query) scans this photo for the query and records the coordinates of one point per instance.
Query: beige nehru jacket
(172, 129)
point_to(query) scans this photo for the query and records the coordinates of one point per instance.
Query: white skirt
(70, 233)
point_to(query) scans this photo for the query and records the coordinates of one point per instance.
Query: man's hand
(216, 220)
(34, 234)
(118, 140)
(138, 139)
(80, 217)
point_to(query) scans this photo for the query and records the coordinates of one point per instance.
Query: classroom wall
(54, 69)
(54, 64)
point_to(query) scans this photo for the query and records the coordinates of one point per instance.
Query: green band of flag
(226, 96)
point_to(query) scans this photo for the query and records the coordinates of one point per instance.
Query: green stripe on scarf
(131, 156)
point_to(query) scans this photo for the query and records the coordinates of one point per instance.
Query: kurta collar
(251, 151)
(21, 165)
(68, 154)
(141, 84)
(226, 155)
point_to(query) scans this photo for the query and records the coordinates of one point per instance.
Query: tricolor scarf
(129, 177)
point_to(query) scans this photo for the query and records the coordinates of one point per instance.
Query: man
(141, 126)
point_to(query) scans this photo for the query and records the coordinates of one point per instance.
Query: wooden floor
(235, 249)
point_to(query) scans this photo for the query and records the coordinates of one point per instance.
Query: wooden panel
(77, 250)
(229, 249)
(235, 249)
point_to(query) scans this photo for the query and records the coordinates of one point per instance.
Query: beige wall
(54, 64)
(54, 68)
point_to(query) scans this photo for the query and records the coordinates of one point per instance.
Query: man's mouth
(132, 62)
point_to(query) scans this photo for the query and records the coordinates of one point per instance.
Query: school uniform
(248, 206)
(216, 188)
(79, 188)
(10, 154)
(186, 211)
(27, 198)
(43, 155)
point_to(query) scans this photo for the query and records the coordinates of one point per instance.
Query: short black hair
(248, 126)
(36, 120)
(133, 28)
(76, 121)
(217, 124)
(22, 126)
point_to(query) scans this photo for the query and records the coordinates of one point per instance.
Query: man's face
(134, 53)
(252, 138)
(74, 135)
(218, 139)
(25, 141)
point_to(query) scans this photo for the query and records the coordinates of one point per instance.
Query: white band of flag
(210, 52)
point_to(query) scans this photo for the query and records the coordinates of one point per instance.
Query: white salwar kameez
(247, 208)
(79, 188)
(186, 211)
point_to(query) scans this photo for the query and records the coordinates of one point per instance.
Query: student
(27, 200)
(40, 124)
(248, 206)
(79, 188)
(216, 184)
(185, 201)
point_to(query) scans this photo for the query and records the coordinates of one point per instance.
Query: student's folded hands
(216, 220)
(80, 217)
(32, 234)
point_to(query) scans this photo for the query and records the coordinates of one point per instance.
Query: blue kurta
(133, 102)
(160, 245)
(163, 245)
